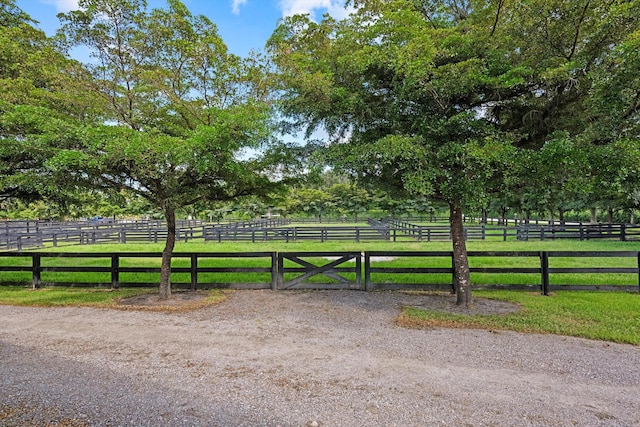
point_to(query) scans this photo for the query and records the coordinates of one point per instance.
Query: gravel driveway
(333, 358)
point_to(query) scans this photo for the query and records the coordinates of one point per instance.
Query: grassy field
(595, 315)
(98, 298)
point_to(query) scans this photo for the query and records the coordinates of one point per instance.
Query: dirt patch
(481, 306)
(179, 301)
(189, 300)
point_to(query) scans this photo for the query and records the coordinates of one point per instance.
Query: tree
(432, 96)
(180, 110)
(406, 87)
(310, 202)
(39, 99)
(349, 199)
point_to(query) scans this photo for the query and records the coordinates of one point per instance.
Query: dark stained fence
(294, 234)
(21, 235)
(112, 264)
(622, 232)
(579, 231)
(336, 270)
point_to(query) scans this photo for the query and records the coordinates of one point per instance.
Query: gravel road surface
(330, 358)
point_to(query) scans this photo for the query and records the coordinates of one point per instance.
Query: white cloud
(235, 5)
(335, 8)
(63, 5)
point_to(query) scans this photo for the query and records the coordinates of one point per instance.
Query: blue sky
(243, 24)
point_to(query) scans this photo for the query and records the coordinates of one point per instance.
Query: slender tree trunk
(561, 216)
(632, 217)
(610, 211)
(165, 269)
(594, 216)
(462, 277)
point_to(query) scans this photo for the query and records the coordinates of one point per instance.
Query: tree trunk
(561, 216)
(485, 216)
(167, 252)
(632, 217)
(503, 216)
(462, 277)
(594, 216)
(610, 212)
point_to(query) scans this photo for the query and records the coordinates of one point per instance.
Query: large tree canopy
(180, 110)
(39, 97)
(432, 96)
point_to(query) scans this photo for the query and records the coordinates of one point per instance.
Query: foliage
(182, 110)
(39, 105)
(431, 97)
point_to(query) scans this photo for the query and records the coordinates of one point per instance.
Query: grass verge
(601, 316)
(121, 299)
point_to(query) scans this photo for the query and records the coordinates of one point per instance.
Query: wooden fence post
(274, 270)
(544, 269)
(280, 269)
(115, 271)
(367, 271)
(35, 268)
(639, 272)
(194, 272)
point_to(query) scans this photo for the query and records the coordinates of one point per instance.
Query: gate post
(274, 271)
(367, 271)
(280, 271)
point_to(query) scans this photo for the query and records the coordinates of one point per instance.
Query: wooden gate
(299, 273)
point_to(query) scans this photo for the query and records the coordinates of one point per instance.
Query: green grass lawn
(606, 316)
(99, 298)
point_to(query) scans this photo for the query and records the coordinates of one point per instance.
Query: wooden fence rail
(40, 234)
(302, 270)
(579, 231)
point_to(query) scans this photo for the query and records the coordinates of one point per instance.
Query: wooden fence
(579, 231)
(22, 235)
(371, 270)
